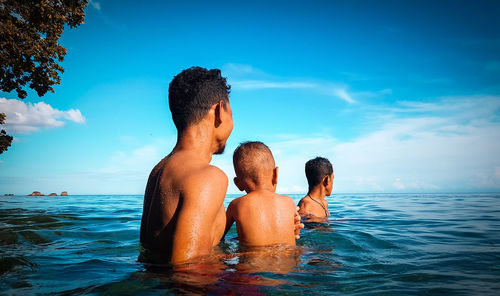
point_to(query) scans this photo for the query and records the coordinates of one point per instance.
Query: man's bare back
(263, 218)
(172, 223)
(313, 208)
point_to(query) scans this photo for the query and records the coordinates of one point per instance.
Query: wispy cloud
(95, 4)
(259, 84)
(238, 75)
(27, 117)
(342, 94)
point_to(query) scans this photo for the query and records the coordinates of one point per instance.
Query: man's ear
(218, 113)
(275, 177)
(237, 183)
(326, 180)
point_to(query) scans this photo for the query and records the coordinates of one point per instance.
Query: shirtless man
(183, 215)
(319, 174)
(262, 217)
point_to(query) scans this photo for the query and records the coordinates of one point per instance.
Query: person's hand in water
(298, 225)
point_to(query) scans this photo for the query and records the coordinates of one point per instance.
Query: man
(183, 215)
(319, 174)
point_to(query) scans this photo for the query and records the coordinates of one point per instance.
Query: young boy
(319, 174)
(262, 216)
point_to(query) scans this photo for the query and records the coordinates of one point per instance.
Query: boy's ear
(275, 177)
(218, 113)
(237, 183)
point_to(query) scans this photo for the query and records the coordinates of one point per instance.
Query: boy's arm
(229, 218)
(297, 225)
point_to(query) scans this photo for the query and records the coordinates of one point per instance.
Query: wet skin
(263, 218)
(310, 206)
(183, 214)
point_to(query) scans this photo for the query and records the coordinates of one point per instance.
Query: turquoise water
(374, 244)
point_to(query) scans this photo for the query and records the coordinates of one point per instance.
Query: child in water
(319, 174)
(262, 217)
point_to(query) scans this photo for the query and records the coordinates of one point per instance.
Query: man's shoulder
(204, 179)
(304, 200)
(158, 167)
(206, 174)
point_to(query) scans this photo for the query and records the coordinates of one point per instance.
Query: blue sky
(401, 96)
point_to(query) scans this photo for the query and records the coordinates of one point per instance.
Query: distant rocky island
(38, 193)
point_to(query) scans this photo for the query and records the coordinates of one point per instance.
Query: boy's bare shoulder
(286, 200)
(236, 203)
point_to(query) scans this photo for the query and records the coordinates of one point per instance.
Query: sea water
(373, 244)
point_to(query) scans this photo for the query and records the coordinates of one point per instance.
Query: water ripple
(374, 244)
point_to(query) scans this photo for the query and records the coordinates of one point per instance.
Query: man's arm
(202, 196)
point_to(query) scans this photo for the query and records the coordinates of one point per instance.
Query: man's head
(254, 166)
(319, 172)
(195, 92)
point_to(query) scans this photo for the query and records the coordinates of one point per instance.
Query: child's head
(254, 166)
(319, 172)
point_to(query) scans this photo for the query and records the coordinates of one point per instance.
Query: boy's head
(319, 172)
(254, 166)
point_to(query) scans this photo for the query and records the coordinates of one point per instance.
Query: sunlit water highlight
(374, 244)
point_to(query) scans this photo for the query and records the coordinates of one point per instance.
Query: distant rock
(9, 194)
(36, 193)
(53, 194)
(64, 193)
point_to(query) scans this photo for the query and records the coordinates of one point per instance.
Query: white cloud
(436, 151)
(27, 117)
(327, 88)
(245, 77)
(127, 171)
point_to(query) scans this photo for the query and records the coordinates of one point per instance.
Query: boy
(262, 217)
(319, 174)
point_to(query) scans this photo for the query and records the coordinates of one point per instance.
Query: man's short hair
(250, 158)
(316, 169)
(193, 92)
